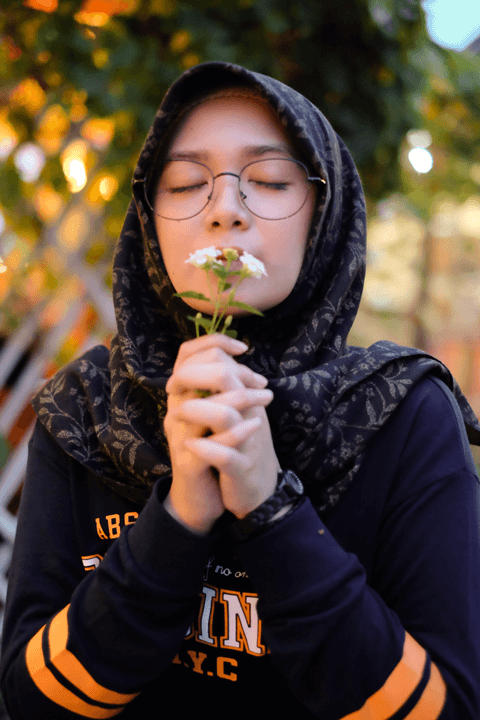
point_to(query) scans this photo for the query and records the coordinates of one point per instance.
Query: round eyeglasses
(272, 189)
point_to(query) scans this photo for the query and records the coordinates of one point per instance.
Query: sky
(453, 23)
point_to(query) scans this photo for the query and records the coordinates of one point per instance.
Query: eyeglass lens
(271, 189)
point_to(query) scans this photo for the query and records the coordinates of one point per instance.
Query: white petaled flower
(254, 267)
(212, 258)
(207, 256)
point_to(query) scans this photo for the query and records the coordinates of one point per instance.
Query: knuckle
(217, 354)
(245, 372)
(248, 464)
(233, 417)
(243, 397)
(225, 376)
(183, 351)
(229, 465)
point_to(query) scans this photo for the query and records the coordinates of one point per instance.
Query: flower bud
(230, 254)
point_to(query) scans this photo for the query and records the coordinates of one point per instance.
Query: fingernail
(262, 395)
(240, 345)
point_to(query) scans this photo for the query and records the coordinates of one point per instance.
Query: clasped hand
(221, 446)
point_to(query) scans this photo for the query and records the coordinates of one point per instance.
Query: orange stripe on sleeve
(66, 662)
(55, 691)
(432, 700)
(399, 685)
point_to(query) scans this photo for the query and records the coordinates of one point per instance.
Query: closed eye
(271, 185)
(187, 188)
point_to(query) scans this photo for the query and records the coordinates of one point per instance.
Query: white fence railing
(17, 395)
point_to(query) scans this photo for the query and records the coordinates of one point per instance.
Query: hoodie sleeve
(398, 640)
(79, 644)
(404, 643)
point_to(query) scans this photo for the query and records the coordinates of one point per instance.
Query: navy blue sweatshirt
(373, 613)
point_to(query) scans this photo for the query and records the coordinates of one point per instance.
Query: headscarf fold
(106, 408)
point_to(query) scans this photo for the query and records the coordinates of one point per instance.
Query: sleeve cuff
(291, 553)
(164, 547)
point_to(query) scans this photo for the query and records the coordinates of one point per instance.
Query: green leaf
(231, 333)
(246, 307)
(221, 273)
(192, 294)
(206, 323)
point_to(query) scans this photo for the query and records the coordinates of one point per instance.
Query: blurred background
(80, 81)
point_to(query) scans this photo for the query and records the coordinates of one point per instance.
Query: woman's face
(227, 133)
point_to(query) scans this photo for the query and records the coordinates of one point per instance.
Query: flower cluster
(205, 258)
(219, 262)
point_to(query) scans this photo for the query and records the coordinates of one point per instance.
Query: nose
(226, 208)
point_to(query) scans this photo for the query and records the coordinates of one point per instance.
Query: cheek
(291, 242)
(171, 247)
(303, 230)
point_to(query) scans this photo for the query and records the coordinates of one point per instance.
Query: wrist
(281, 503)
(199, 526)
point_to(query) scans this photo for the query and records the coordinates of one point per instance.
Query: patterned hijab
(106, 409)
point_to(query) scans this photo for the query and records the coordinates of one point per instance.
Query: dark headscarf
(106, 409)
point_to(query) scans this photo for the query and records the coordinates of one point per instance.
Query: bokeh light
(108, 187)
(29, 161)
(8, 139)
(73, 160)
(421, 159)
(419, 138)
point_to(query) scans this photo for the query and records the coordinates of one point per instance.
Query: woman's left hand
(247, 470)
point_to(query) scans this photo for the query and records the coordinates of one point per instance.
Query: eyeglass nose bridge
(227, 173)
(242, 194)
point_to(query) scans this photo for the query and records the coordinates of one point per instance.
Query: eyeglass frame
(242, 196)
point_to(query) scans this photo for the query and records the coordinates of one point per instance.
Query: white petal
(251, 263)
(200, 257)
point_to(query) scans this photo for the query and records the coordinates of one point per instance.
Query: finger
(243, 399)
(216, 377)
(213, 416)
(207, 355)
(238, 434)
(222, 452)
(228, 344)
(219, 412)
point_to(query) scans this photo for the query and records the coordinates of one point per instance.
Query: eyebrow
(249, 151)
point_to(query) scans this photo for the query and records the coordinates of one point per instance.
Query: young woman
(308, 547)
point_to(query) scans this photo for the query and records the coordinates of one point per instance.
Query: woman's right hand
(207, 363)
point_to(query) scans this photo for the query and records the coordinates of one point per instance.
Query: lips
(234, 266)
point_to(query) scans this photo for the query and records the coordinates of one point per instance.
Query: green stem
(219, 308)
(234, 290)
(212, 329)
(221, 288)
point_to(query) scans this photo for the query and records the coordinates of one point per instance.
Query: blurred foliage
(81, 80)
(368, 65)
